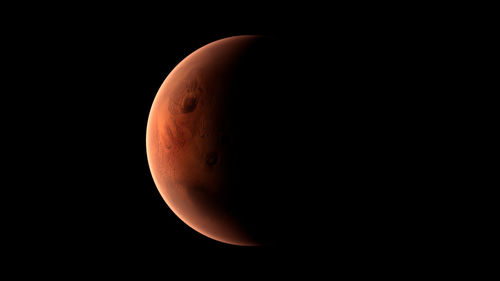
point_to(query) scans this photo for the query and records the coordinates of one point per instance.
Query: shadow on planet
(217, 140)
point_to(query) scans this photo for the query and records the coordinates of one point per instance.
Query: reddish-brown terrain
(195, 138)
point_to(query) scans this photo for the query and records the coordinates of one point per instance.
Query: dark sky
(83, 83)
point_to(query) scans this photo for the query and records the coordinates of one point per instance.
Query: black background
(83, 83)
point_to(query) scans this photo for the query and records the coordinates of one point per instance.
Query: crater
(189, 104)
(211, 159)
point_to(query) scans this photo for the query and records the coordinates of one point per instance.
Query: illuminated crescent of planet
(198, 139)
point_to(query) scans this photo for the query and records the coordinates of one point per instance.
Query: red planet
(212, 140)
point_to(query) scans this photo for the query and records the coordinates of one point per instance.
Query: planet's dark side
(255, 140)
(325, 139)
(215, 136)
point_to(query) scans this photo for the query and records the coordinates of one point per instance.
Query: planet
(218, 140)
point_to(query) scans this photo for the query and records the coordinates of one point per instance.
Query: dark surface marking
(189, 104)
(211, 159)
(175, 136)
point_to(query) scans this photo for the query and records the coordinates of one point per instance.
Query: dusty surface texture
(206, 135)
